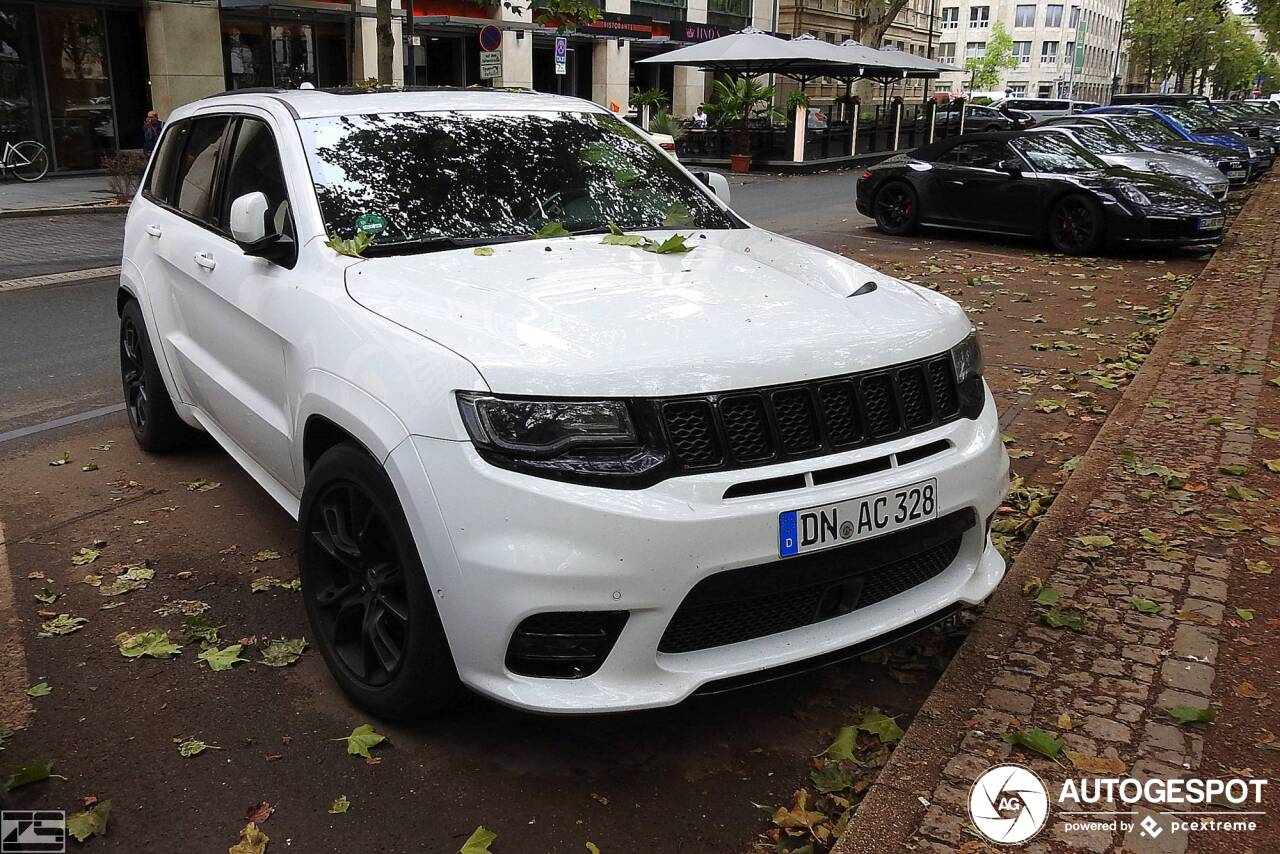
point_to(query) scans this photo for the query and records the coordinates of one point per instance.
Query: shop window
(245, 53)
(20, 113)
(77, 79)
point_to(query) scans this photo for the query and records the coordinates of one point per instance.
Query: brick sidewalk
(1193, 409)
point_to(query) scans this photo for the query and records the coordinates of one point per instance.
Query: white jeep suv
(557, 424)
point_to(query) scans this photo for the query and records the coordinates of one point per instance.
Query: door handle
(204, 259)
(153, 230)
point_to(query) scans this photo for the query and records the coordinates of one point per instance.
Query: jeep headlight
(545, 428)
(967, 358)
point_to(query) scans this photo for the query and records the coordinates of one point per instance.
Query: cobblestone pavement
(1172, 502)
(38, 245)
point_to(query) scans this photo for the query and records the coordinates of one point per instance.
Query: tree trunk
(386, 44)
(872, 32)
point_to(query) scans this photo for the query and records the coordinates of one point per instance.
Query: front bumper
(1165, 230)
(500, 546)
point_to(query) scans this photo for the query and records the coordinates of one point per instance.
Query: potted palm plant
(737, 102)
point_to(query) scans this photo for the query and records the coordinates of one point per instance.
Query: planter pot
(740, 162)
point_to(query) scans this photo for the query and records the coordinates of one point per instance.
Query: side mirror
(1011, 167)
(718, 184)
(254, 231)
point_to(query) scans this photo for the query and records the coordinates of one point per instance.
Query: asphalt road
(57, 343)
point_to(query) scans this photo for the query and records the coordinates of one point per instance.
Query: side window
(983, 154)
(255, 168)
(160, 178)
(198, 167)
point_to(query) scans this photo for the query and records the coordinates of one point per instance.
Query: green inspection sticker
(371, 224)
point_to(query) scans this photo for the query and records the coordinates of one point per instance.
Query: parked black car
(1038, 185)
(1154, 135)
(978, 118)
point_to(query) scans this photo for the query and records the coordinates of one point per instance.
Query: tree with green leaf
(985, 71)
(1234, 59)
(738, 101)
(1153, 37)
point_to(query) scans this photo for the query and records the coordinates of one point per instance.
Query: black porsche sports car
(1038, 185)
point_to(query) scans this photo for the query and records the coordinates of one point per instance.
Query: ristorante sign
(620, 25)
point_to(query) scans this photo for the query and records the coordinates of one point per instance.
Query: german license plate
(817, 528)
(1209, 223)
(1238, 173)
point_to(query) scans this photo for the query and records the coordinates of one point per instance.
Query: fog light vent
(564, 644)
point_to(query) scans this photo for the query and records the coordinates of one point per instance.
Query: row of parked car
(1149, 169)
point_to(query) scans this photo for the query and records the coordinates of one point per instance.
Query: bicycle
(28, 159)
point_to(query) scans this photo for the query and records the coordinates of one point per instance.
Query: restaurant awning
(753, 52)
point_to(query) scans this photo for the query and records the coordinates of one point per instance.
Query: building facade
(80, 75)
(1045, 37)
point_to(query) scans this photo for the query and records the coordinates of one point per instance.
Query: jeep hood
(573, 316)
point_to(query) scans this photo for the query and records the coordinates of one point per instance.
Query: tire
(368, 600)
(156, 426)
(896, 208)
(1076, 225)
(29, 161)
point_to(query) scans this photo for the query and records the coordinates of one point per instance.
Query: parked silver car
(1117, 150)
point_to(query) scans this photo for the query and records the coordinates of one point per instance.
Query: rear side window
(983, 154)
(255, 168)
(198, 167)
(160, 178)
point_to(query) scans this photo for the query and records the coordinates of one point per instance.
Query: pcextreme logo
(1009, 804)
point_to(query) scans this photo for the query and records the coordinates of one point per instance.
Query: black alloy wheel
(896, 208)
(368, 600)
(156, 426)
(1075, 225)
(361, 600)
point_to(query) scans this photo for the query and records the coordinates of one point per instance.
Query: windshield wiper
(417, 245)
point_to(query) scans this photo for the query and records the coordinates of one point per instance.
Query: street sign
(490, 64)
(562, 55)
(490, 38)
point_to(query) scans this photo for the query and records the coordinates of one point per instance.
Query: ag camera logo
(1009, 804)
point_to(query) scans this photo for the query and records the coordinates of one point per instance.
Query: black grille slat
(942, 379)
(879, 405)
(753, 602)
(797, 422)
(746, 427)
(840, 413)
(693, 433)
(916, 407)
(753, 427)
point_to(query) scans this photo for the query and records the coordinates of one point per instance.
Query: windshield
(1054, 152)
(474, 176)
(1145, 128)
(1103, 140)
(1193, 117)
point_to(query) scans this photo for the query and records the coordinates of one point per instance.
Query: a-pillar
(184, 54)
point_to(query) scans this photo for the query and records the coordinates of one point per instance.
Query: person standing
(151, 127)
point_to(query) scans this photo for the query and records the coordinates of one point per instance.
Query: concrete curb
(62, 210)
(895, 804)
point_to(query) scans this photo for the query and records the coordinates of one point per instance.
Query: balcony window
(1022, 52)
(947, 53)
(979, 16)
(1048, 53)
(975, 50)
(1053, 15)
(1025, 16)
(950, 17)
